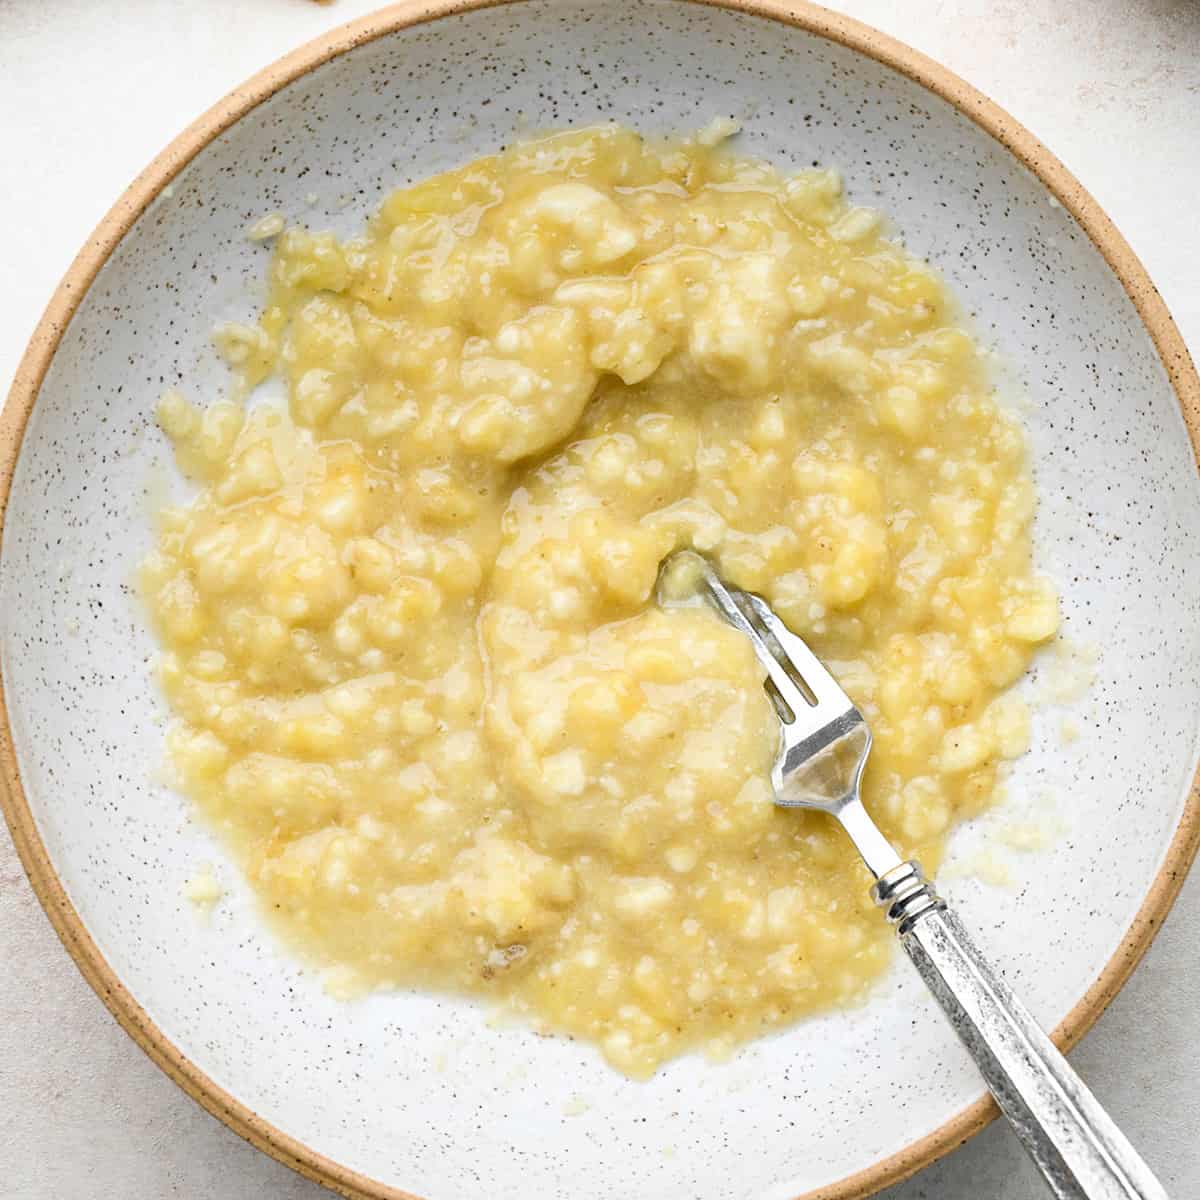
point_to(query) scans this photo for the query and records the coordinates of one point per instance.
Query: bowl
(403, 1094)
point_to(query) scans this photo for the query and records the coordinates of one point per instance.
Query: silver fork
(824, 744)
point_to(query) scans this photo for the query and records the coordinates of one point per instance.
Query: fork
(824, 744)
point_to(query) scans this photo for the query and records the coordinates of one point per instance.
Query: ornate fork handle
(1074, 1142)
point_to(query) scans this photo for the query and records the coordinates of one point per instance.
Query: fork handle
(1073, 1141)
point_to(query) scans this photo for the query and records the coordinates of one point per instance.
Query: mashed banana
(419, 680)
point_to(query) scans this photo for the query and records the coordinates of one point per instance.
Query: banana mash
(419, 680)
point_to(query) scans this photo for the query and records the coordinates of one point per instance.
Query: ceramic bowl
(412, 1094)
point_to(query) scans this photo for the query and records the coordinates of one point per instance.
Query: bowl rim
(74, 286)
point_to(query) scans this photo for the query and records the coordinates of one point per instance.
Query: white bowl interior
(418, 1091)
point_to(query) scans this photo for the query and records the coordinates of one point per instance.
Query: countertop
(89, 92)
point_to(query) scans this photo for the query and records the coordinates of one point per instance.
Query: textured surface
(58, 218)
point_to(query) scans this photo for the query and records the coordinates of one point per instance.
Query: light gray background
(89, 92)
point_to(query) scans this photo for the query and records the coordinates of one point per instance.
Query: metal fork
(824, 743)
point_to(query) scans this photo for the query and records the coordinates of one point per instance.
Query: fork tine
(816, 678)
(792, 696)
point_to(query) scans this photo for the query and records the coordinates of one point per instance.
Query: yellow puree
(418, 677)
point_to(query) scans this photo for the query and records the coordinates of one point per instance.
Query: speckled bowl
(418, 1093)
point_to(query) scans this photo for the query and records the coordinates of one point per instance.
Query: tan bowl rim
(120, 218)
